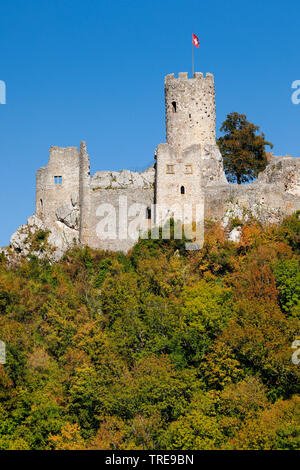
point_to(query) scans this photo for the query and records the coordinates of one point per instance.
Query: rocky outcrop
(255, 211)
(68, 213)
(285, 173)
(34, 238)
(212, 172)
(235, 235)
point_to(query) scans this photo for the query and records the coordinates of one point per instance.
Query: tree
(242, 148)
(276, 428)
(287, 274)
(68, 439)
(197, 429)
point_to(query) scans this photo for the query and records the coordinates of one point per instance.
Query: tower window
(188, 169)
(170, 169)
(148, 213)
(174, 107)
(58, 179)
(182, 190)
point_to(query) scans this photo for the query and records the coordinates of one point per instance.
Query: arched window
(148, 213)
(182, 190)
(174, 107)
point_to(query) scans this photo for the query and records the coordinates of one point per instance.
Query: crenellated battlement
(185, 76)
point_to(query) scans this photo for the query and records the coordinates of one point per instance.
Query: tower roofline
(185, 76)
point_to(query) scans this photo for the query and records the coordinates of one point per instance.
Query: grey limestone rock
(69, 215)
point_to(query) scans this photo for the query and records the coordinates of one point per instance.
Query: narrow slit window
(182, 190)
(148, 213)
(174, 106)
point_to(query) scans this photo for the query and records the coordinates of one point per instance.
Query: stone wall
(57, 185)
(178, 182)
(72, 207)
(284, 174)
(109, 209)
(84, 196)
(275, 194)
(122, 193)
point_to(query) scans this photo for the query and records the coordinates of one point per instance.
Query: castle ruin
(187, 169)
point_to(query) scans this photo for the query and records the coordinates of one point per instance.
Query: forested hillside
(159, 349)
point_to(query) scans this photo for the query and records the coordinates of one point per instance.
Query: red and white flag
(195, 40)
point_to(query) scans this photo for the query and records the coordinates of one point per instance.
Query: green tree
(197, 429)
(242, 148)
(287, 274)
(205, 311)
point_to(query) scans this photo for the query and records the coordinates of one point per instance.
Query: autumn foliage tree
(242, 148)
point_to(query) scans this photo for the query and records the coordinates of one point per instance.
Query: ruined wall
(73, 209)
(275, 194)
(125, 192)
(84, 195)
(52, 193)
(284, 173)
(119, 199)
(190, 110)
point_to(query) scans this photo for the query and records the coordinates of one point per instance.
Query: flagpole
(193, 58)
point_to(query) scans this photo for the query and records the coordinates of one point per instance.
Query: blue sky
(93, 70)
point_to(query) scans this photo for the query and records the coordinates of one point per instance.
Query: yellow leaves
(245, 399)
(110, 435)
(145, 429)
(251, 235)
(195, 430)
(68, 439)
(220, 366)
(119, 293)
(275, 428)
(206, 306)
(39, 359)
(162, 276)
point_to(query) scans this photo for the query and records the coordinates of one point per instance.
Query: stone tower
(191, 160)
(190, 110)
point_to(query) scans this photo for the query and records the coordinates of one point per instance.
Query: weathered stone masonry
(190, 110)
(187, 169)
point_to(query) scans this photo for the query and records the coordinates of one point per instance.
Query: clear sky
(93, 70)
